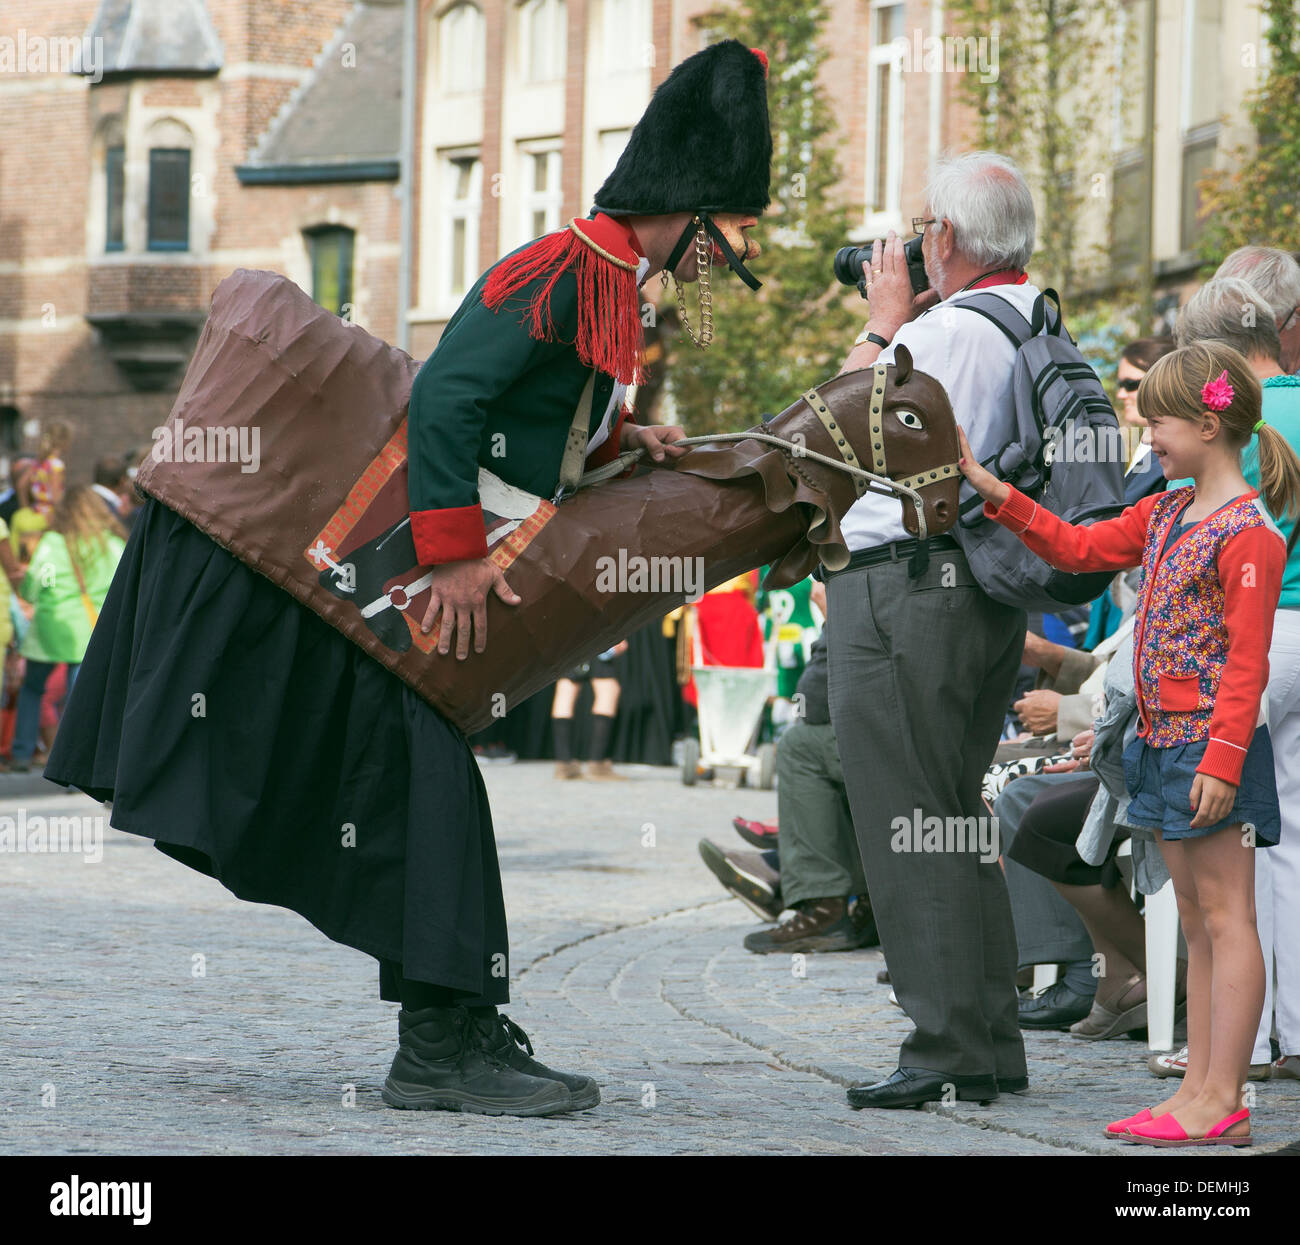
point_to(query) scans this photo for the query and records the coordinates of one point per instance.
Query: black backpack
(1063, 449)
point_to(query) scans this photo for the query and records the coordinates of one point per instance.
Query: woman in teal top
(67, 581)
(1281, 409)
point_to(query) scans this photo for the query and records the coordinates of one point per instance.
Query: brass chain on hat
(704, 267)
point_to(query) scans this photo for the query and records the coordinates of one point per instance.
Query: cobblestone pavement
(627, 963)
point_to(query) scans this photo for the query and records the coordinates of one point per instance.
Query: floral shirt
(1205, 611)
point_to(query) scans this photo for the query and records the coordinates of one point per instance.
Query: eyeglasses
(920, 222)
(1281, 328)
(1129, 385)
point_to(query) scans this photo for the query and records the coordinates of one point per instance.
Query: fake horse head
(889, 421)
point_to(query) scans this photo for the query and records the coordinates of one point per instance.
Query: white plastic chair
(1162, 957)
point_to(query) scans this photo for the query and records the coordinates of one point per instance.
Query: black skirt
(256, 744)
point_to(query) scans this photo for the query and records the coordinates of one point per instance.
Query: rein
(865, 481)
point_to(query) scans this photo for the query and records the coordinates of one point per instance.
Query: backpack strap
(1015, 328)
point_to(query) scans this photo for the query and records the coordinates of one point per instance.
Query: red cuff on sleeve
(1222, 760)
(452, 535)
(1016, 513)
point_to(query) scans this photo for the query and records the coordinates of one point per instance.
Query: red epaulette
(601, 254)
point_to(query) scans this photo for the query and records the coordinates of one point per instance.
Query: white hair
(1230, 310)
(1273, 274)
(987, 199)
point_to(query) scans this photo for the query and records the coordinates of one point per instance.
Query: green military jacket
(491, 395)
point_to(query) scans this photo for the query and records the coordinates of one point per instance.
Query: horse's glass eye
(910, 419)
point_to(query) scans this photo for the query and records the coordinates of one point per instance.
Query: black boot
(508, 1042)
(442, 1065)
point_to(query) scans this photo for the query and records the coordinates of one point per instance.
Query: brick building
(523, 108)
(199, 136)
(150, 147)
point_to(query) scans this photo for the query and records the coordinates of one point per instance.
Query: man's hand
(889, 289)
(1211, 800)
(817, 595)
(1080, 755)
(1043, 654)
(1037, 710)
(460, 592)
(656, 439)
(984, 482)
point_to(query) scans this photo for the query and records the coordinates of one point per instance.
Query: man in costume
(255, 743)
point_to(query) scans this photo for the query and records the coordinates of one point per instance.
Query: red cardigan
(1203, 624)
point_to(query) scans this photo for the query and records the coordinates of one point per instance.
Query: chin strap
(734, 262)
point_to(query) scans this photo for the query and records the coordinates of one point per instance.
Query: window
(330, 248)
(461, 44)
(1202, 104)
(1129, 207)
(611, 144)
(885, 110)
(1131, 85)
(626, 41)
(543, 194)
(543, 33)
(114, 196)
(169, 199)
(462, 178)
(1202, 80)
(11, 433)
(1198, 159)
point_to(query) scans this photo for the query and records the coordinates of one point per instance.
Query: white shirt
(973, 360)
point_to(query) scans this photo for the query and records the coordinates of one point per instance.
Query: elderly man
(1275, 276)
(1241, 313)
(921, 669)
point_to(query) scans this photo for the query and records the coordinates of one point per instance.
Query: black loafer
(910, 1087)
(1058, 1007)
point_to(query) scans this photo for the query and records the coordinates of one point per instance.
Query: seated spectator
(820, 866)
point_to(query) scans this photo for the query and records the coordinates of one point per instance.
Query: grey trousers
(921, 671)
(819, 853)
(1048, 930)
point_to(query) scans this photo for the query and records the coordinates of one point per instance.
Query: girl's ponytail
(1279, 474)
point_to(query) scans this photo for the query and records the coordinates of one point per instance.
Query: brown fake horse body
(330, 402)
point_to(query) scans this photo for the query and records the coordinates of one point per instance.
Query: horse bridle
(864, 481)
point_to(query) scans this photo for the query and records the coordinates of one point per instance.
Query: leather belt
(895, 551)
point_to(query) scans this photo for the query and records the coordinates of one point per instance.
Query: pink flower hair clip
(1217, 393)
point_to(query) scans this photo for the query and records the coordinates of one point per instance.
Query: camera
(853, 263)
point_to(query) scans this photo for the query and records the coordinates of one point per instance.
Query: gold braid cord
(704, 266)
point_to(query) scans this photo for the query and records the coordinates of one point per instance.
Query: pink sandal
(1166, 1131)
(1120, 1127)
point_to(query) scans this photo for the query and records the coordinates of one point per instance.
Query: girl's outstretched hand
(984, 482)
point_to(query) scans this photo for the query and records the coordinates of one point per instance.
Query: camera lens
(848, 264)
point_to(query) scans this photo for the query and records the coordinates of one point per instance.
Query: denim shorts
(1159, 780)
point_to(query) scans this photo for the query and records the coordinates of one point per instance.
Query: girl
(67, 581)
(1201, 770)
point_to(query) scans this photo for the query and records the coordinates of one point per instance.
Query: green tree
(771, 345)
(1255, 201)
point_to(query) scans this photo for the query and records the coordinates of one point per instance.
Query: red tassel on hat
(609, 303)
